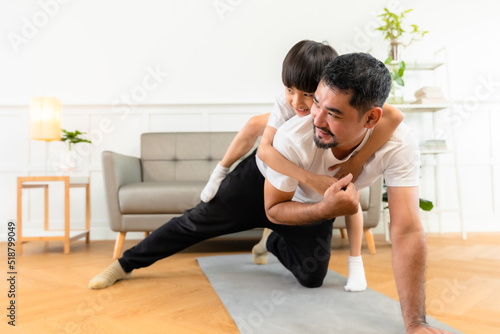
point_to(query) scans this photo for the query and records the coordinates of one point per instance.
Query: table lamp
(45, 121)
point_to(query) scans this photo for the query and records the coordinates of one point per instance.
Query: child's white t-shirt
(281, 113)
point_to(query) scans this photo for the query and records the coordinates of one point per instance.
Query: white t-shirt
(398, 160)
(281, 113)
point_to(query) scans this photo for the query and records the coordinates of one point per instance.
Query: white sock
(356, 280)
(108, 277)
(214, 182)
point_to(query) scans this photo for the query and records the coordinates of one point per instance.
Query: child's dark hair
(363, 76)
(304, 63)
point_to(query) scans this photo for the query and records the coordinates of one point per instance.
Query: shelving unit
(434, 108)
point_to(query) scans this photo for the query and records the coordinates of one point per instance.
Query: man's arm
(408, 257)
(341, 199)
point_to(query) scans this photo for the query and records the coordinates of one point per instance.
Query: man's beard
(320, 144)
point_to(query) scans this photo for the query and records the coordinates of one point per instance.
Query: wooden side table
(47, 234)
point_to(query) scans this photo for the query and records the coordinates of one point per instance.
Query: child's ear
(372, 117)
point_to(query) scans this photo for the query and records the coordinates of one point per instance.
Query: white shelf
(438, 209)
(422, 66)
(409, 108)
(435, 151)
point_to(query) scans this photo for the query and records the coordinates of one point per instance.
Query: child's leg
(241, 145)
(354, 226)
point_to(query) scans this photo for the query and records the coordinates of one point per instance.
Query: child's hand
(350, 166)
(320, 183)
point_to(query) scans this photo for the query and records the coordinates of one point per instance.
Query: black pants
(239, 206)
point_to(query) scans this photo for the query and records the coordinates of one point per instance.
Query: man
(346, 108)
(301, 221)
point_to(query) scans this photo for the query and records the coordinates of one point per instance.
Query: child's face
(300, 101)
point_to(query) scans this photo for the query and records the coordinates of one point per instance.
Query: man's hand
(341, 199)
(424, 328)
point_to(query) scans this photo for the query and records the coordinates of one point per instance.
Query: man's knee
(310, 278)
(311, 281)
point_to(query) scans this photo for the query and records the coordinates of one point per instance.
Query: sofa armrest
(118, 170)
(373, 212)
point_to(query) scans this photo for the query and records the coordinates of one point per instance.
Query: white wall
(122, 68)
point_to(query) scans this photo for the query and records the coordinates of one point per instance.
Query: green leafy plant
(397, 70)
(399, 35)
(73, 137)
(395, 32)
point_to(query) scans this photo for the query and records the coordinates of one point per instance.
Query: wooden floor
(173, 296)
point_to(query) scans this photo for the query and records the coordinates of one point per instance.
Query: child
(301, 68)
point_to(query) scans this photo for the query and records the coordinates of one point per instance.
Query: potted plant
(398, 34)
(69, 158)
(73, 137)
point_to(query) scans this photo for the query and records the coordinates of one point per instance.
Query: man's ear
(372, 117)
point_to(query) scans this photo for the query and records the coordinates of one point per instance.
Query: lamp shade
(45, 118)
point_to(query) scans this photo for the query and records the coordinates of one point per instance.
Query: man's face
(299, 100)
(336, 122)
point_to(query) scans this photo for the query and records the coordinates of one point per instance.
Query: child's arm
(240, 145)
(245, 139)
(272, 158)
(390, 120)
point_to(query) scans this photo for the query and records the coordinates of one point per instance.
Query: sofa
(144, 193)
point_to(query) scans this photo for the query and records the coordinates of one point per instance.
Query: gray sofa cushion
(182, 170)
(182, 156)
(159, 197)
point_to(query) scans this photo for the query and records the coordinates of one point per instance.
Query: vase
(395, 51)
(68, 162)
(396, 96)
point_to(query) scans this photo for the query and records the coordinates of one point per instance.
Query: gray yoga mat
(267, 299)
